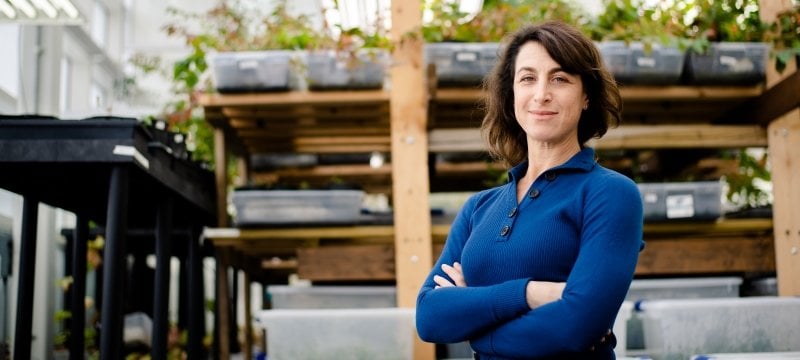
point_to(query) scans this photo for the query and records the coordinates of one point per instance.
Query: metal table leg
(196, 301)
(161, 297)
(78, 308)
(114, 263)
(27, 270)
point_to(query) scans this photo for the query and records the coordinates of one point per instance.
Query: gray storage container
(675, 288)
(332, 297)
(701, 200)
(250, 71)
(341, 70)
(310, 334)
(632, 64)
(280, 207)
(461, 64)
(684, 288)
(728, 63)
(677, 329)
(790, 355)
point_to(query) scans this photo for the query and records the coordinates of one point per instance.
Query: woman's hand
(454, 272)
(538, 293)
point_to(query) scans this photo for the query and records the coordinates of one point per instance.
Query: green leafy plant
(784, 35)
(743, 189)
(632, 20)
(495, 20)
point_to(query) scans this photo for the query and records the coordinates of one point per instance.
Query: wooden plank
(697, 255)
(682, 136)
(633, 93)
(221, 176)
(784, 152)
(328, 171)
(409, 111)
(255, 147)
(275, 132)
(409, 104)
(355, 263)
(294, 98)
(327, 112)
(322, 232)
(627, 137)
(775, 102)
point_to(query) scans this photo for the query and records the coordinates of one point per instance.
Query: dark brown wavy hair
(577, 55)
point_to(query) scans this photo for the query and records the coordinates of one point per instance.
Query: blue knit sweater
(580, 223)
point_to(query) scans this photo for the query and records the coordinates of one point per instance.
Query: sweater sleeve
(455, 314)
(611, 237)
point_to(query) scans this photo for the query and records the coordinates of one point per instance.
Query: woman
(539, 267)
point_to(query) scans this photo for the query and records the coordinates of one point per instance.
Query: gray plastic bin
(632, 64)
(701, 200)
(266, 207)
(340, 70)
(728, 63)
(331, 297)
(461, 64)
(251, 71)
(677, 329)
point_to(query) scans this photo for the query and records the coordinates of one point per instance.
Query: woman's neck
(543, 157)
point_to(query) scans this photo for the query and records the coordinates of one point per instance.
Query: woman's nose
(541, 93)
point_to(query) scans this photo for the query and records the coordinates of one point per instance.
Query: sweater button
(534, 193)
(504, 231)
(512, 212)
(550, 176)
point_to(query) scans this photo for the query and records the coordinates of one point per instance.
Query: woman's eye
(526, 78)
(559, 80)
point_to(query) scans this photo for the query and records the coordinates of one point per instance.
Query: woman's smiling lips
(543, 113)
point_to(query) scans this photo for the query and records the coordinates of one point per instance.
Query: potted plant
(784, 35)
(464, 47)
(726, 46)
(640, 43)
(348, 58)
(248, 52)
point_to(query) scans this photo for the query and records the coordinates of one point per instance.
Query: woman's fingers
(441, 281)
(455, 274)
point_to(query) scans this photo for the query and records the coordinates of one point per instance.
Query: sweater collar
(584, 160)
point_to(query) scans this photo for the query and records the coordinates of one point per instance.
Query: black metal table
(115, 172)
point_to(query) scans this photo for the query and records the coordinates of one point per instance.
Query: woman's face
(547, 101)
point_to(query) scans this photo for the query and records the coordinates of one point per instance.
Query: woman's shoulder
(607, 179)
(486, 195)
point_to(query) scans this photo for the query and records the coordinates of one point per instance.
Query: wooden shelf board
(632, 93)
(262, 100)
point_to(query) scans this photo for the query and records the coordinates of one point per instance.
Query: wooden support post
(783, 136)
(408, 112)
(784, 152)
(220, 170)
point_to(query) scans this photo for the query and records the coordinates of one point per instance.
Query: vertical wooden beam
(768, 11)
(408, 111)
(220, 170)
(784, 150)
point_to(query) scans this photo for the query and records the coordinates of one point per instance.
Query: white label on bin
(680, 206)
(466, 56)
(248, 64)
(650, 198)
(646, 62)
